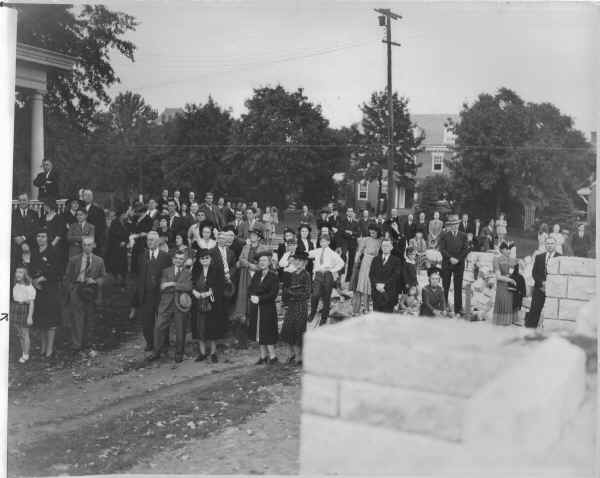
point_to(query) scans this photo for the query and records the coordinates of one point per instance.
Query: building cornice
(41, 56)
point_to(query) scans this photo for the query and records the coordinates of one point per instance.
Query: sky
(449, 54)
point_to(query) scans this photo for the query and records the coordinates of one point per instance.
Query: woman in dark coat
(262, 312)
(56, 228)
(209, 322)
(46, 278)
(70, 214)
(116, 248)
(305, 243)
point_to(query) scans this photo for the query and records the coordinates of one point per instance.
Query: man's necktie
(88, 263)
(177, 271)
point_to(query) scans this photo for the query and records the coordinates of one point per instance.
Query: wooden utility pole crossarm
(388, 15)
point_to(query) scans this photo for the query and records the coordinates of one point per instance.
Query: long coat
(216, 320)
(47, 184)
(116, 254)
(149, 273)
(264, 314)
(389, 274)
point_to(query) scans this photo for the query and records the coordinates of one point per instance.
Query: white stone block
(581, 287)
(569, 308)
(438, 415)
(578, 266)
(430, 354)
(523, 412)
(587, 319)
(556, 286)
(550, 309)
(320, 395)
(553, 266)
(334, 446)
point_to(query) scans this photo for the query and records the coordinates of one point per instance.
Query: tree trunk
(379, 186)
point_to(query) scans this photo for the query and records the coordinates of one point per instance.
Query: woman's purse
(204, 305)
(229, 289)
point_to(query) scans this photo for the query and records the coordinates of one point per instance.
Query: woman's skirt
(241, 302)
(504, 314)
(47, 311)
(18, 313)
(363, 284)
(294, 323)
(199, 325)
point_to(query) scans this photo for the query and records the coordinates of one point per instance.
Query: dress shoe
(261, 361)
(273, 361)
(153, 357)
(214, 358)
(178, 358)
(200, 358)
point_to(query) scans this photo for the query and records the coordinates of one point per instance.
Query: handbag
(229, 289)
(204, 305)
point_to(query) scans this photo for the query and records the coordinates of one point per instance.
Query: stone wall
(391, 394)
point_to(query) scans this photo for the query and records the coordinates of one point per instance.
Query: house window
(363, 190)
(437, 162)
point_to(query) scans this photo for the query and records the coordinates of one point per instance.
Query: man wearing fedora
(175, 303)
(453, 246)
(84, 276)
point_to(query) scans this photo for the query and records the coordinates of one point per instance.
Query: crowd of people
(211, 267)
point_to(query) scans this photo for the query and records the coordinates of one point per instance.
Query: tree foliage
(509, 151)
(433, 189)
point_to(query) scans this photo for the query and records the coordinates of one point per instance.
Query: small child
(409, 270)
(420, 247)
(483, 295)
(21, 309)
(409, 303)
(434, 302)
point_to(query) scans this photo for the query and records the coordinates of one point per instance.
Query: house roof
(433, 125)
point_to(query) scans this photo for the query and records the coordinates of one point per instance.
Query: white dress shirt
(332, 262)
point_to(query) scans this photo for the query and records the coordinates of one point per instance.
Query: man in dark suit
(385, 276)
(47, 181)
(174, 281)
(210, 210)
(84, 271)
(176, 223)
(350, 232)
(237, 221)
(410, 228)
(306, 216)
(151, 263)
(233, 242)
(364, 223)
(539, 274)
(422, 225)
(25, 222)
(178, 200)
(454, 249)
(466, 225)
(96, 217)
(581, 242)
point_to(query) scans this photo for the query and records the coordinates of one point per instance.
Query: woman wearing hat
(247, 265)
(208, 320)
(368, 248)
(305, 243)
(297, 292)
(262, 313)
(45, 274)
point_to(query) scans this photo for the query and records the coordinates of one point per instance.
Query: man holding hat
(175, 303)
(454, 248)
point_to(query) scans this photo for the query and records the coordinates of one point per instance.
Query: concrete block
(436, 355)
(578, 266)
(320, 395)
(406, 410)
(587, 319)
(523, 412)
(569, 308)
(334, 446)
(556, 286)
(581, 287)
(550, 309)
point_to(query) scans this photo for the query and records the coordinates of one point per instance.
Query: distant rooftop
(433, 126)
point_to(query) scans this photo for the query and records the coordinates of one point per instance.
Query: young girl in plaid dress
(21, 309)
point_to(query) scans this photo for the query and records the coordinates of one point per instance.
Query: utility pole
(385, 19)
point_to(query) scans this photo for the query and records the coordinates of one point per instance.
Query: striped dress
(504, 312)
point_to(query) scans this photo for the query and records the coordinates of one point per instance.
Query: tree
(369, 159)
(508, 151)
(91, 34)
(432, 190)
(560, 209)
(283, 150)
(200, 137)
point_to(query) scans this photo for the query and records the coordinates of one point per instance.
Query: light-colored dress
(501, 227)
(504, 313)
(369, 247)
(560, 240)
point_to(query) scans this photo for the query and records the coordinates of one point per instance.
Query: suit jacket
(97, 217)
(48, 186)
(178, 227)
(24, 225)
(96, 271)
(178, 203)
(470, 227)
(390, 274)
(456, 247)
(76, 233)
(581, 246)
(149, 273)
(231, 260)
(348, 240)
(539, 272)
(423, 227)
(245, 228)
(183, 283)
(363, 226)
(212, 214)
(307, 218)
(410, 230)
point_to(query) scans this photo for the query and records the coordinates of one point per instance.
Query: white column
(8, 59)
(37, 139)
